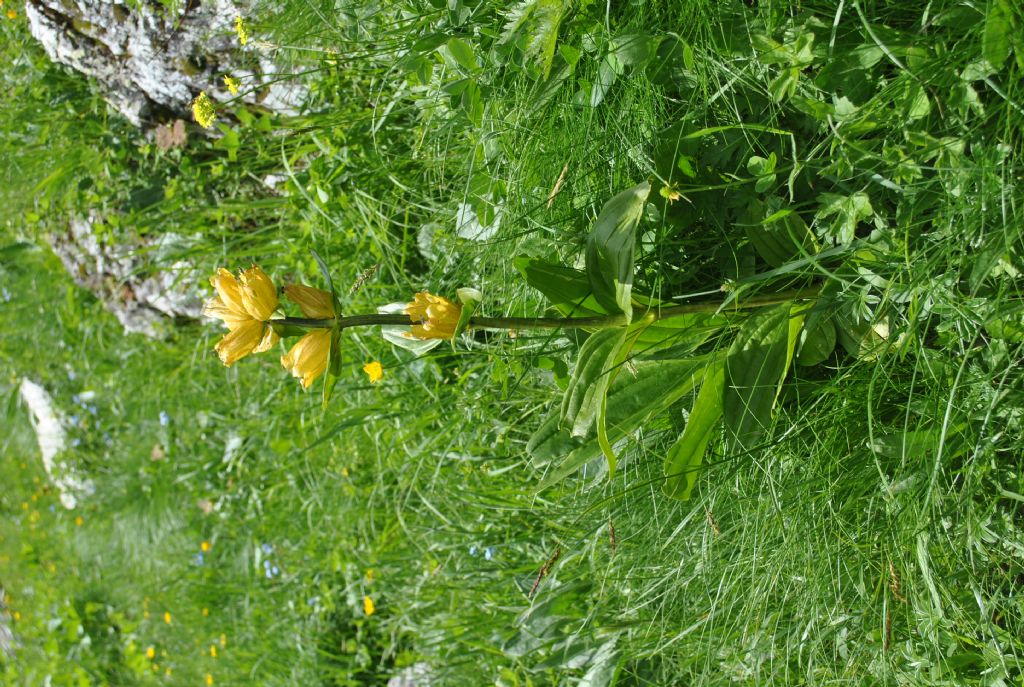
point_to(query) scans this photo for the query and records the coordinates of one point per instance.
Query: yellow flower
(203, 110)
(223, 640)
(205, 547)
(433, 317)
(150, 652)
(209, 679)
(79, 521)
(244, 305)
(315, 303)
(206, 611)
(307, 359)
(213, 651)
(243, 35)
(670, 193)
(374, 371)
(167, 617)
(232, 85)
(368, 606)
(12, 13)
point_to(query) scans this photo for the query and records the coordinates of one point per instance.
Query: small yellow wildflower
(232, 85)
(244, 305)
(368, 606)
(307, 359)
(167, 617)
(209, 679)
(79, 521)
(203, 110)
(670, 193)
(12, 14)
(213, 651)
(243, 35)
(206, 611)
(205, 547)
(168, 671)
(150, 652)
(223, 640)
(17, 615)
(369, 574)
(433, 317)
(374, 371)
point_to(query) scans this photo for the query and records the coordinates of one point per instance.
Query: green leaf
(634, 48)
(470, 299)
(333, 366)
(755, 366)
(635, 396)
(848, 212)
(687, 453)
(463, 54)
(588, 385)
(566, 288)
(995, 42)
(610, 247)
(324, 271)
(817, 340)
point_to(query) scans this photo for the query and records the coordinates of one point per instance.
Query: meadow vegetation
(846, 506)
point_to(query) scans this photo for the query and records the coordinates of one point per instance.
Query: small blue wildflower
(165, 419)
(267, 563)
(75, 420)
(198, 559)
(7, 295)
(52, 508)
(76, 442)
(276, 570)
(489, 553)
(267, 548)
(75, 398)
(270, 575)
(473, 550)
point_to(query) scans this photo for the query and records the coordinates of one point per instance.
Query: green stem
(598, 322)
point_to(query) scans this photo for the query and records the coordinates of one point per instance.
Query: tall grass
(873, 538)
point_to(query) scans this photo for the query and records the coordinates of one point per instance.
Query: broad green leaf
(756, 363)
(817, 340)
(995, 41)
(686, 455)
(634, 48)
(590, 379)
(848, 212)
(635, 396)
(566, 288)
(610, 246)
(462, 53)
(779, 238)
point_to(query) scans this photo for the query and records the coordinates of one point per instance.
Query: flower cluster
(433, 317)
(248, 305)
(203, 110)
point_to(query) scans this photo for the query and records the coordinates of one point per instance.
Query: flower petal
(269, 340)
(374, 370)
(228, 290)
(307, 359)
(239, 342)
(258, 293)
(216, 308)
(315, 303)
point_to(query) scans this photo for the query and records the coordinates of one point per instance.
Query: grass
(872, 536)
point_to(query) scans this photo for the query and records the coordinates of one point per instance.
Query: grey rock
(151, 61)
(138, 279)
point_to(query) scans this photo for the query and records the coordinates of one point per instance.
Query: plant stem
(597, 322)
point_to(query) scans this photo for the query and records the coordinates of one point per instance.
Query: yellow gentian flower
(374, 371)
(245, 306)
(433, 317)
(307, 359)
(315, 303)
